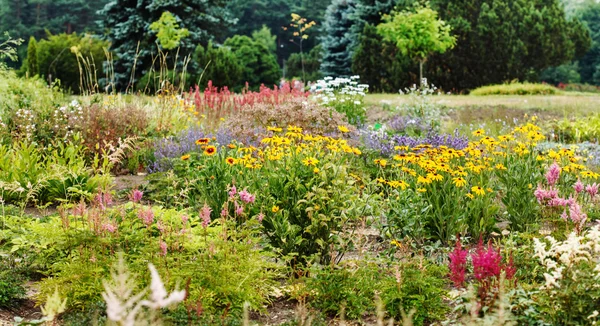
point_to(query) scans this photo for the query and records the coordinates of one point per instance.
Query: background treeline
(238, 41)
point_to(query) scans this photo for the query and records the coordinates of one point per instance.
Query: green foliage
(8, 49)
(11, 284)
(219, 65)
(258, 63)
(32, 58)
(417, 34)
(127, 25)
(312, 64)
(337, 43)
(29, 174)
(221, 272)
(567, 73)
(589, 14)
(167, 31)
(353, 287)
(577, 130)
(57, 59)
(517, 89)
(264, 37)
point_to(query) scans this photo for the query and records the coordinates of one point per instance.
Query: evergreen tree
(588, 63)
(259, 64)
(219, 65)
(312, 65)
(264, 37)
(337, 44)
(32, 59)
(127, 24)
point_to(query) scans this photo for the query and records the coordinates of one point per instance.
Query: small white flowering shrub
(571, 292)
(420, 106)
(345, 95)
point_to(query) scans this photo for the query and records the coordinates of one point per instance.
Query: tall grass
(517, 89)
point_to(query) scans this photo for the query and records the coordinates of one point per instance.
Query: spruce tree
(337, 44)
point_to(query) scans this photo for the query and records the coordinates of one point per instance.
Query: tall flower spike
(159, 298)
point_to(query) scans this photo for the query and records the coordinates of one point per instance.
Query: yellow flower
(479, 132)
(422, 190)
(396, 243)
(310, 161)
(294, 129)
(343, 129)
(500, 166)
(202, 141)
(478, 190)
(435, 176)
(398, 184)
(316, 170)
(382, 163)
(210, 150)
(275, 209)
(274, 129)
(185, 157)
(356, 151)
(459, 182)
(424, 180)
(231, 146)
(230, 160)
(470, 196)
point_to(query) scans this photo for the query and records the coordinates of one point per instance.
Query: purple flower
(205, 215)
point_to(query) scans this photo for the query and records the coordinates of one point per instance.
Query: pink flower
(578, 186)
(224, 212)
(147, 216)
(232, 192)
(592, 190)
(238, 209)
(103, 200)
(109, 227)
(247, 197)
(136, 196)
(205, 215)
(160, 226)
(487, 262)
(576, 214)
(458, 264)
(553, 174)
(163, 248)
(260, 217)
(184, 219)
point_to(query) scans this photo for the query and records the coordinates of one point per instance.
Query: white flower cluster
(26, 122)
(68, 117)
(420, 102)
(562, 257)
(340, 89)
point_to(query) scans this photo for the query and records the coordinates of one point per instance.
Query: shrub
(11, 285)
(517, 89)
(103, 126)
(58, 59)
(252, 121)
(259, 65)
(578, 130)
(219, 65)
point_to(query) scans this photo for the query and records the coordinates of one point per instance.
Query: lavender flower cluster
(410, 125)
(384, 143)
(166, 149)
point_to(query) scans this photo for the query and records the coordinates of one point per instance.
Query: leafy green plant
(11, 286)
(517, 89)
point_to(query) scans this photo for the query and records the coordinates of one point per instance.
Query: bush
(517, 89)
(345, 95)
(251, 122)
(58, 59)
(222, 67)
(259, 64)
(11, 288)
(578, 130)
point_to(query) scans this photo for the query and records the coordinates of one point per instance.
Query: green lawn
(571, 104)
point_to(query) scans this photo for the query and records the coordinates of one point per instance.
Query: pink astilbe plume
(205, 215)
(147, 216)
(136, 196)
(578, 186)
(553, 174)
(458, 264)
(487, 262)
(592, 189)
(247, 197)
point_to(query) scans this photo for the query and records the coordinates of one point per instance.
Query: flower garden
(285, 206)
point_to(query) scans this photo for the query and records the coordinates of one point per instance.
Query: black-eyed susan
(202, 141)
(274, 129)
(396, 243)
(435, 176)
(421, 190)
(310, 161)
(275, 209)
(210, 150)
(479, 133)
(316, 170)
(185, 157)
(478, 190)
(424, 180)
(470, 195)
(459, 182)
(230, 160)
(294, 129)
(343, 129)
